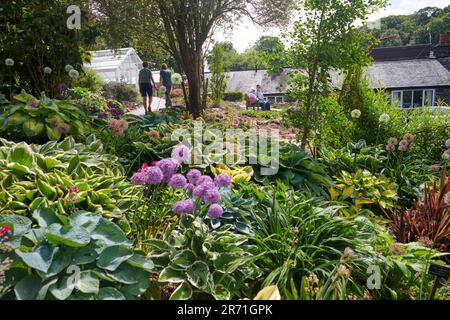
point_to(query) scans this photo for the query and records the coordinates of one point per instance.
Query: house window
(413, 98)
(279, 100)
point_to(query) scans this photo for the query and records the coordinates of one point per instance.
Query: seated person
(252, 99)
(262, 102)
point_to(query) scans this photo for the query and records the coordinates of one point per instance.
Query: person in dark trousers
(146, 85)
(265, 105)
(166, 80)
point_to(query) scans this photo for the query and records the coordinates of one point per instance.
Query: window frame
(401, 92)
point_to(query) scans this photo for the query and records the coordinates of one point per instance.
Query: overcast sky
(244, 35)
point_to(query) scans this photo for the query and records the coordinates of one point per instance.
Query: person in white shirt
(260, 95)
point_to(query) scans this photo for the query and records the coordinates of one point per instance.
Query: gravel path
(158, 104)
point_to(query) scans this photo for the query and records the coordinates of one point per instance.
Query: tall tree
(183, 27)
(218, 82)
(324, 39)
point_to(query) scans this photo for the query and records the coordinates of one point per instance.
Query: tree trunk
(193, 74)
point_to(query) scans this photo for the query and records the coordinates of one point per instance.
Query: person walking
(166, 80)
(146, 85)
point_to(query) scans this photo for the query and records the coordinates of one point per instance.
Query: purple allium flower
(153, 175)
(204, 179)
(223, 180)
(435, 168)
(138, 178)
(200, 190)
(31, 104)
(447, 143)
(215, 211)
(63, 128)
(403, 145)
(212, 196)
(390, 148)
(193, 176)
(182, 154)
(169, 167)
(409, 138)
(117, 126)
(178, 181)
(446, 154)
(184, 207)
(189, 187)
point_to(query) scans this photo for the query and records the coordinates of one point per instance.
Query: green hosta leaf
(18, 169)
(84, 255)
(22, 154)
(35, 204)
(70, 236)
(110, 293)
(46, 190)
(197, 274)
(73, 164)
(141, 262)
(108, 232)
(112, 257)
(171, 275)
(183, 292)
(32, 127)
(86, 220)
(40, 259)
(53, 133)
(45, 217)
(64, 289)
(127, 274)
(86, 282)
(47, 163)
(28, 288)
(184, 259)
(61, 260)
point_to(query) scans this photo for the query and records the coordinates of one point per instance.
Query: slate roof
(381, 74)
(418, 51)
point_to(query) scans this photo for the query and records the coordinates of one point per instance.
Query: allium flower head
(447, 143)
(148, 175)
(390, 148)
(177, 79)
(193, 176)
(215, 211)
(189, 187)
(178, 181)
(9, 62)
(53, 122)
(182, 154)
(403, 145)
(212, 196)
(74, 74)
(47, 70)
(168, 167)
(204, 179)
(393, 141)
(118, 127)
(153, 134)
(348, 253)
(385, 118)
(446, 155)
(435, 168)
(356, 114)
(184, 207)
(68, 67)
(409, 138)
(64, 128)
(223, 180)
(200, 190)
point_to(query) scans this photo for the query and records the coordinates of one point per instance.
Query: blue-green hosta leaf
(183, 292)
(184, 259)
(68, 235)
(109, 233)
(22, 154)
(111, 257)
(141, 262)
(85, 220)
(127, 274)
(197, 274)
(45, 217)
(63, 289)
(110, 293)
(86, 282)
(84, 255)
(40, 259)
(61, 260)
(28, 288)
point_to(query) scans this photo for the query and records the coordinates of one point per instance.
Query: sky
(244, 35)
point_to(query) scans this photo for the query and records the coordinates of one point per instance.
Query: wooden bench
(249, 105)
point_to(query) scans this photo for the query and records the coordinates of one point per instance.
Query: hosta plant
(201, 264)
(63, 175)
(83, 256)
(42, 120)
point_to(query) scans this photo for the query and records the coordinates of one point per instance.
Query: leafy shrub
(83, 256)
(42, 176)
(89, 80)
(202, 263)
(42, 120)
(368, 189)
(235, 96)
(268, 115)
(90, 101)
(120, 92)
(429, 219)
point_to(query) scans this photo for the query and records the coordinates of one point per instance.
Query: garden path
(157, 104)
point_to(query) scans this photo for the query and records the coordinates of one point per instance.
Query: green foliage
(218, 81)
(40, 176)
(120, 92)
(89, 80)
(92, 102)
(295, 168)
(236, 96)
(369, 189)
(203, 263)
(297, 237)
(35, 35)
(42, 120)
(81, 257)
(268, 115)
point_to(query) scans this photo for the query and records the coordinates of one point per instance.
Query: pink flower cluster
(117, 126)
(403, 145)
(73, 195)
(202, 187)
(4, 230)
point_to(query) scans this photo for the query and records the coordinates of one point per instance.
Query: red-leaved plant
(428, 221)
